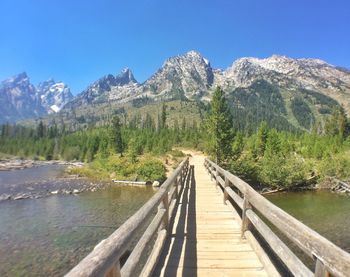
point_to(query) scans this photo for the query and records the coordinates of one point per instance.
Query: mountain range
(300, 92)
(19, 99)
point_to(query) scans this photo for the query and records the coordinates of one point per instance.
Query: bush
(71, 153)
(177, 153)
(151, 169)
(279, 171)
(336, 166)
(245, 167)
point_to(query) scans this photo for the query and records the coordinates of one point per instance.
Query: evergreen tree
(116, 139)
(220, 127)
(40, 130)
(262, 136)
(163, 117)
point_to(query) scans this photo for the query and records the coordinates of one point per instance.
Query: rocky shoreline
(24, 189)
(59, 186)
(11, 164)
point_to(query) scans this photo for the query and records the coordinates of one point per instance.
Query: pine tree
(163, 117)
(219, 127)
(116, 139)
(40, 130)
(262, 136)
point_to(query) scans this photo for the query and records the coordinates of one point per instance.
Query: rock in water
(156, 184)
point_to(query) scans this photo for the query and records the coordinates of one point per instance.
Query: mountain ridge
(190, 76)
(20, 99)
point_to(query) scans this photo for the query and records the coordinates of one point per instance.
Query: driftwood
(329, 258)
(340, 186)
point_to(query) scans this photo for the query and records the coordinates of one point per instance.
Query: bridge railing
(104, 260)
(329, 258)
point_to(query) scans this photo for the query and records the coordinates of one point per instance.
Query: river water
(48, 236)
(325, 212)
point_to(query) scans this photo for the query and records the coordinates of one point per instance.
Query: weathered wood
(264, 258)
(320, 269)
(236, 198)
(155, 254)
(133, 260)
(245, 220)
(114, 271)
(219, 181)
(108, 252)
(336, 260)
(205, 237)
(226, 185)
(277, 245)
(164, 204)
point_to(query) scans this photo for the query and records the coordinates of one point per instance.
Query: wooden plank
(277, 245)
(263, 257)
(207, 272)
(205, 237)
(155, 254)
(133, 260)
(335, 260)
(107, 253)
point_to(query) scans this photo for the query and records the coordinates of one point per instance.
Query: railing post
(246, 225)
(216, 177)
(114, 271)
(227, 184)
(164, 205)
(176, 193)
(320, 269)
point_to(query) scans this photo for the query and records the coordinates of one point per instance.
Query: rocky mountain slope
(191, 76)
(293, 92)
(19, 99)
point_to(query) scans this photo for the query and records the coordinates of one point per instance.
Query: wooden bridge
(211, 224)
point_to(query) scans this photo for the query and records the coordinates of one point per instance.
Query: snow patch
(55, 108)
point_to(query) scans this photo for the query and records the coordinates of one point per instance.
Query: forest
(268, 156)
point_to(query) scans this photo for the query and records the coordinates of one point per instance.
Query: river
(49, 235)
(325, 212)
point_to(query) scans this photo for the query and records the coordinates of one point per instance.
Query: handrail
(104, 259)
(330, 259)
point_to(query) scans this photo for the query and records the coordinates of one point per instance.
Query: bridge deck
(205, 238)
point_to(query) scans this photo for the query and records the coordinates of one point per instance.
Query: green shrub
(279, 171)
(177, 153)
(336, 166)
(151, 169)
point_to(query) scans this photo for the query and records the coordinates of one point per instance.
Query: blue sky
(79, 41)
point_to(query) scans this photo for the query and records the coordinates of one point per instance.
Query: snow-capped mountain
(107, 88)
(19, 99)
(188, 76)
(191, 76)
(54, 95)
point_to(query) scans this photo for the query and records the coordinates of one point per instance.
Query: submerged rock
(155, 184)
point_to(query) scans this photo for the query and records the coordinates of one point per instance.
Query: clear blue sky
(78, 41)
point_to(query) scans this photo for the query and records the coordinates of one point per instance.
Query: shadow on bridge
(181, 253)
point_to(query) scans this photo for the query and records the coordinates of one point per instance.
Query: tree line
(265, 155)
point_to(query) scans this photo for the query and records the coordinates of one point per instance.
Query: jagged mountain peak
(54, 95)
(190, 56)
(187, 75)
(125, 77)
(20, 79)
